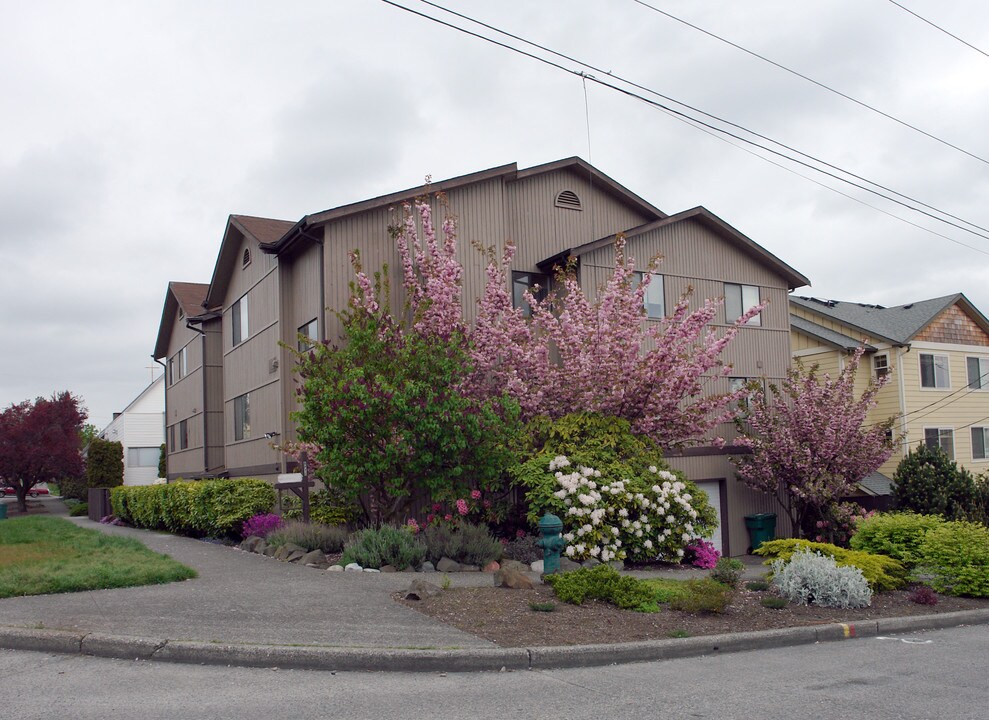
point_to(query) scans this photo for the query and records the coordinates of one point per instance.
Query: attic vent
(568, 199)
(247, 258)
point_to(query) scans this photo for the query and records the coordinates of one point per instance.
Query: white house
(140, 428)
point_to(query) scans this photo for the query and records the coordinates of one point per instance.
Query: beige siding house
(938, 352)
(276, 284)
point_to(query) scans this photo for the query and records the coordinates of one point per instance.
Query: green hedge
(898, 535)
(211, 508)
(956, 555)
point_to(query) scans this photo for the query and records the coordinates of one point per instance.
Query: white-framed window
(184, 364)
(935, 371)
(978, 373)
(308, 335)
(242, 417)
(239, 314)
(943, 438)
(739, 299)
(880, 365)
(654, 299)
(142, 456)
(980, 443)
(536, 283)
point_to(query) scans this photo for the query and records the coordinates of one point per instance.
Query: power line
(819, 84)
(938, 27)
(682, 115)
(963, 388)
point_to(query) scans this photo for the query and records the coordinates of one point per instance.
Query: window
(536, 283)
(184, 364)
(739, 299)
(171, 438)
(142, 457)
(880, 365)
(242, 417)
(980, 443)
(654, 301)
(934, 371)
(943, 438)
(309, 333)
(183, 434)
(978, 373)
(171, 371)
(238, 316)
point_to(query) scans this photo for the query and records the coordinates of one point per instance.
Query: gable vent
(568, 199)
(247, 258)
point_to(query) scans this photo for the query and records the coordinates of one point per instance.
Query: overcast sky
(130, 132)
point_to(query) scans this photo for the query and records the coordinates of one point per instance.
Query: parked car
(33, 492)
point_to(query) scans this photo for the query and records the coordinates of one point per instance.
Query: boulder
(491, 567)
(537, 567)
(618, 565)
(446, 565)
(287, 549)
(514, 565)
(371, 570)
(590, 562)
(250, 543)
(421, 589)
(270, 550)
(335, 568)
(427, 567)
(316, 557)
(294, 556)
(354, 567)
(261, 547)
(389, 568)
(512, 579)
(566, 565)
(470, 568)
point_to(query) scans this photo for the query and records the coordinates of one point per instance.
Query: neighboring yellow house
(938, 352)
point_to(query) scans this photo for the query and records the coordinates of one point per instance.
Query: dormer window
(568, 200)
(247, 258)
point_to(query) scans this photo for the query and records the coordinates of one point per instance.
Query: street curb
(464, 659)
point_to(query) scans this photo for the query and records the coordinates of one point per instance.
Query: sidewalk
(247, 609)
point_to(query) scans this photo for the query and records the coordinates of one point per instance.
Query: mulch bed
(505, 618)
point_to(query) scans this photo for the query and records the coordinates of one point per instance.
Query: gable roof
(828, 336)
(261, 230)
(184, 296)
(709, 220)
(508, 173)
(899, 325)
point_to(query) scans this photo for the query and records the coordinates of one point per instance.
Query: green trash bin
(761, 527)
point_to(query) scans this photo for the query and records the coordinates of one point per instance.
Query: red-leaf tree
(578, 355)
(809, 442)
(40, 441)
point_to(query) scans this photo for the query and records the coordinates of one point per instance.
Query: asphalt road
(938, 674)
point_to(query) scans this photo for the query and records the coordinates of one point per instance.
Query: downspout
(164, 420)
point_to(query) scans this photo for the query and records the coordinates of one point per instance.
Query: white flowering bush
(622, 519)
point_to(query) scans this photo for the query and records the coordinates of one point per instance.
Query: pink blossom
(476, 494)
(462, 506)
(448, 517)
(520, 533)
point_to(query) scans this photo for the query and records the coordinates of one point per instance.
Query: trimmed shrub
(728, 571)
(810, 578)
(467, 544)
(898, 535)
(211, 508)
(261, 525)
(104, 463)
(387, 545)
(882, 572)
(703, 595)
(927, 481)
(956, 556)
(311, 536)
(603, 582)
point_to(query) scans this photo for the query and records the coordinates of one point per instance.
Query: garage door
(713, 491)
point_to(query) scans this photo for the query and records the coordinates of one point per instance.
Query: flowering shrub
(701, 553)
(837, 522)
(616, 519)
(261, 525)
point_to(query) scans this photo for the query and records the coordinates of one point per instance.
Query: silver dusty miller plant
(810, 578)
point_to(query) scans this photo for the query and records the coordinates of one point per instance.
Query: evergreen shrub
(898, 535)
(956, 556)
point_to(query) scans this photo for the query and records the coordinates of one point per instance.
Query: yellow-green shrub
(211, 508)
(881, 572)
(898, 535)
(956, 555)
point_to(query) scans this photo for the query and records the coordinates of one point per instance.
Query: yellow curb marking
(848, 629)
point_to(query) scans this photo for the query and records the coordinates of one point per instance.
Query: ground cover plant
(40, 555)
(881, 572)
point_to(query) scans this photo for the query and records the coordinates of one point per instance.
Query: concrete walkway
(247, 609)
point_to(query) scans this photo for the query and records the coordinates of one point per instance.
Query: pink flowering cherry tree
(809, 441)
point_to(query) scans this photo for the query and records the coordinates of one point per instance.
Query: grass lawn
(40, 555)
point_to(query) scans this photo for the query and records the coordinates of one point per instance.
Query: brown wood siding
(184, 400)
(213, 350)
(264, 413)
(953, 326)
(540, 229)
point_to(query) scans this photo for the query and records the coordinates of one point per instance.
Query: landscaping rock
(469, 568)
(618, 565)
(354, 567)
(389, 568)
(537, 567)
(567, 565)
(446, 565)
(491, 567)
(427, 567)
(261, 547)
(317, 558)
(294, 556)
(335, 568)
(512, 579)
(371, 570)
(514, 565)
(590, 562)
(270, 550)
(285, 550)
(421, 589)
(250, 543)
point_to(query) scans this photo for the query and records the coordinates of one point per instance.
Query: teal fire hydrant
(550, 527)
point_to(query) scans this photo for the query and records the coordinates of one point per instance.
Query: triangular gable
(956, 325)
(261, 230)
(187, 297)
